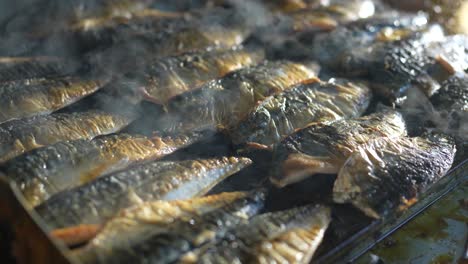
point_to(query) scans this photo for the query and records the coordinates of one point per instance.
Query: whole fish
(314, 101)
(32, 97)
(290, 236)
(48, 170)
(324, 147)
(23, 135)
(224, 102)
(389, 174)
(163, 231)
(164, 78)
(20, 68)
(161, 180)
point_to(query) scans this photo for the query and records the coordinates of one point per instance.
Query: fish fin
(311, 80)
(254, 145)
(446, 64)
(297, 167)
(76, 235)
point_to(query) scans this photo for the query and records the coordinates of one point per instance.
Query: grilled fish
(223, 102)
(27, 98)
(19, 68)
(19, 136)
(46, 171)
(314, 101)
(388, 174)
(162, 180)
(162, 231)
(324, 147)
(290, 236)
(164, 78)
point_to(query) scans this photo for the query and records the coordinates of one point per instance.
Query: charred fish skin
(22, 135)
(149, 218)
(27, 98)
(389, 174)
(324, 147)
(18, 68)
(352, 57)
(314, 101)
(167, 77)
(290, 236)
(49, 170)
(183, 235)
(153, 181)
(223, 102)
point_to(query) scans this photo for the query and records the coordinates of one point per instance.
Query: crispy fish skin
(324, 147)
(225, 101)
(290, 236)
(146, 240)
(23, 135)
(388, 174)
(168, 77)
(27, 98)
(162, 180)
(46, 171)
(19, 68)
(314, 101)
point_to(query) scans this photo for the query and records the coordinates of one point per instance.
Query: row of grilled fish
(86, 180)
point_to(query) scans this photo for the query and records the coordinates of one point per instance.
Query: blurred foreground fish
(161, 232)
(160, 180)
(48, 170)
(389, 174)
(20, 68)
(164, 78)
(32, 97)
(23, 135)
(290, 236)
(224, 102)
(324, 147)
(314, 101)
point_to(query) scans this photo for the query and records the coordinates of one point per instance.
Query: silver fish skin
(43, 172)
(225, 101)
(160, 180)
(33, 97)
(147, 241)
(290, 236)
(324, 147)
(314, 101)
(22, 135)
(387, 175)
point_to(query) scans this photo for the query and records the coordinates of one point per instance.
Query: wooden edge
(22, 233)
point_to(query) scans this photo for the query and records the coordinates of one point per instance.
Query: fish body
(153, 236)
(315, 101)
(19, 68)
(224, 102)
(389, 174)
(324, 147)
(43, 172)
(290, 236)
(27, 98)
(160, 180)
(165, 78)
(23, 135)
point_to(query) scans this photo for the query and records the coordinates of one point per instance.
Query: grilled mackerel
(19, 68)
(315, 101)
(389, 174)
(23, 135)
(324, 147)
(46, 171)
(163, 231)
(162, 79)
(161, 180)
(290, 236)
(224, 102)
(32, 97)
